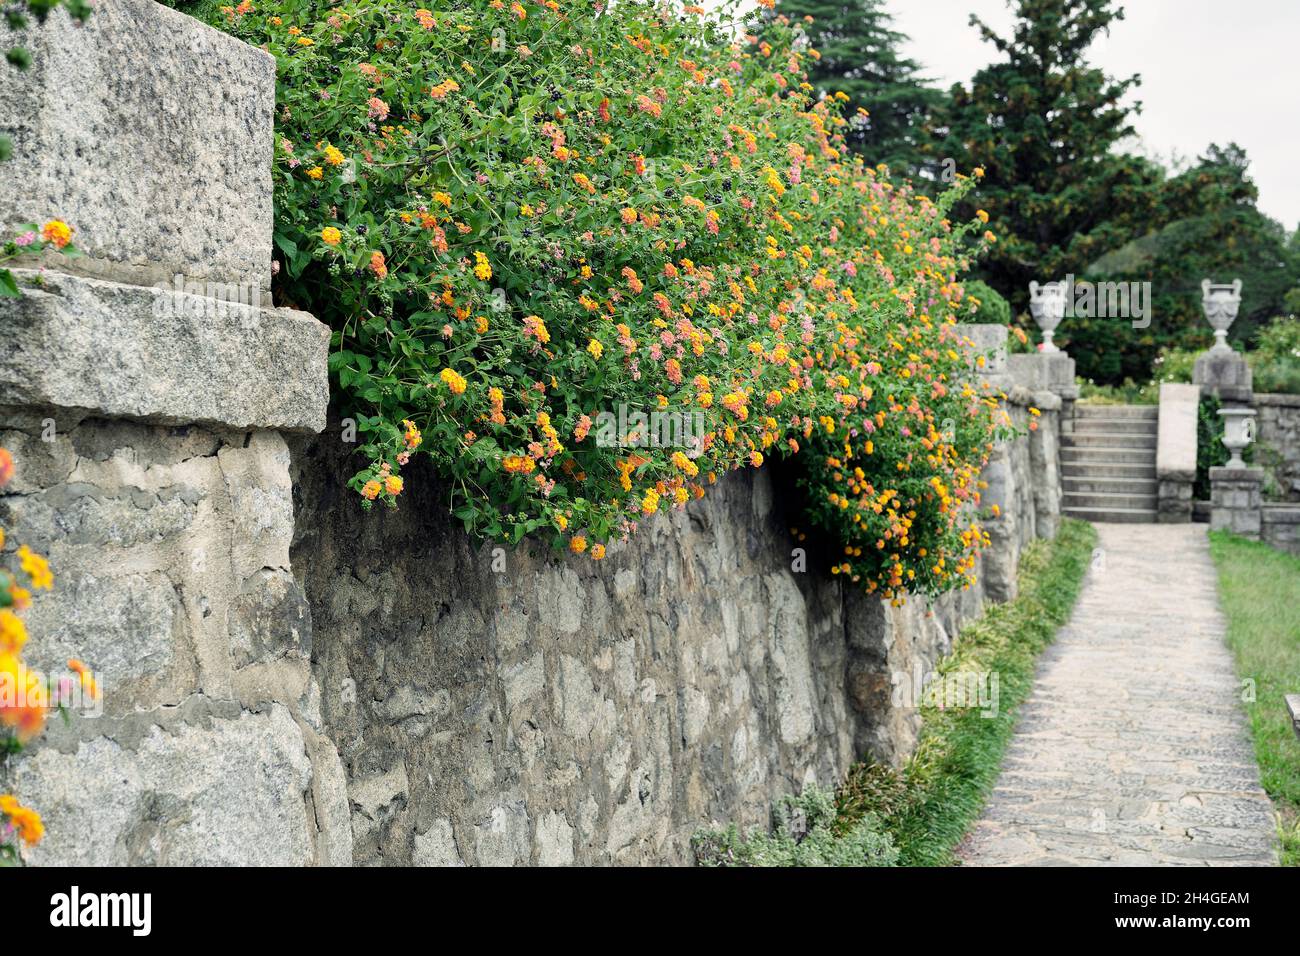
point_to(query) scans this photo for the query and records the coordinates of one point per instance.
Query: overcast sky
(1211, 72)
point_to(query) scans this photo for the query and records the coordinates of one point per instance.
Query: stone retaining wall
(499, 707)
(146, 427)
(1278, 434)
(290, 681)
(1280, 525)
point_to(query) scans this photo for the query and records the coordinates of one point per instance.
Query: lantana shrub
(26, 696)
(533, 226)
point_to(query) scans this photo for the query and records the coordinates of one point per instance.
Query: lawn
(1259, 588)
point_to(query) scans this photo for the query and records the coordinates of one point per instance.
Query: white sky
(1212, 72)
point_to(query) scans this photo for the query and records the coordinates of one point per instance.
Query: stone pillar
(145, 389)
(998, 561)
(1226, 375)
(1047, 378)
(1236, 500)
(1176, 452)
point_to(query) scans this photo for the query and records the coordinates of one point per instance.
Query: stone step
(1106, 501)
(1108, 440)
(1082, 410)
(1108, 484)
(1101, 470)
(1126, 426)
(1089, 455)
(1113, 516)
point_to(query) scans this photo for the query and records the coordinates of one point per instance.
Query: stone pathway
(1132, 748)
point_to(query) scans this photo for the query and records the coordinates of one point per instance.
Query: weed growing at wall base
(806, 831)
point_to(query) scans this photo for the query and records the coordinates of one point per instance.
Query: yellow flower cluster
(27, 698)
(453, 380)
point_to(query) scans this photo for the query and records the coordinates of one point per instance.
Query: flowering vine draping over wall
(539, 228)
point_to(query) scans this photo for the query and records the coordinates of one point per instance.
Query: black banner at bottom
(241, 907)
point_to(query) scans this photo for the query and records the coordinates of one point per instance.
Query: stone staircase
(1108, 465)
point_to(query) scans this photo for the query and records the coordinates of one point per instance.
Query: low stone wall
(1277, 419)
(1280, 526)
(498, 707)
(558, 710)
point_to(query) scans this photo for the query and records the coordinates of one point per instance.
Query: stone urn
(1220, 302)
(1238, 432)
(1047, 305)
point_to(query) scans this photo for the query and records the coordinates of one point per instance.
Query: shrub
(805, 831)
(1170, 365)
(1210, 450)
(588, 259)
(1275, 360)
(1174, 365)
(1130, 393)
(983, 303)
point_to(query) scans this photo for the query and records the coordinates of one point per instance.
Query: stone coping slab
(1054, 370)
(1277, 398)
(156, 355)
(1248, 474)
(1043, 400)
(151, 134)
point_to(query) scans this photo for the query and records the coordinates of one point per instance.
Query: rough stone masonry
(146, 428)
(500, 707)
(387, 696)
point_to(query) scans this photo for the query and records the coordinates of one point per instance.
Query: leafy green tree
(860, 55)
(1204, 223)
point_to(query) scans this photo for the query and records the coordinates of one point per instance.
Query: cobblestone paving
(1132, 748)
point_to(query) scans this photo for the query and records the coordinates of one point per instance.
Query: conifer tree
(1041, 122)
(860, 55)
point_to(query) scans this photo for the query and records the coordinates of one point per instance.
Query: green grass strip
(1259, 589)
(929, 804)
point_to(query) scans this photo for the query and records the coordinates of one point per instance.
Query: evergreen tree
(860, 56)
(1041, 123)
